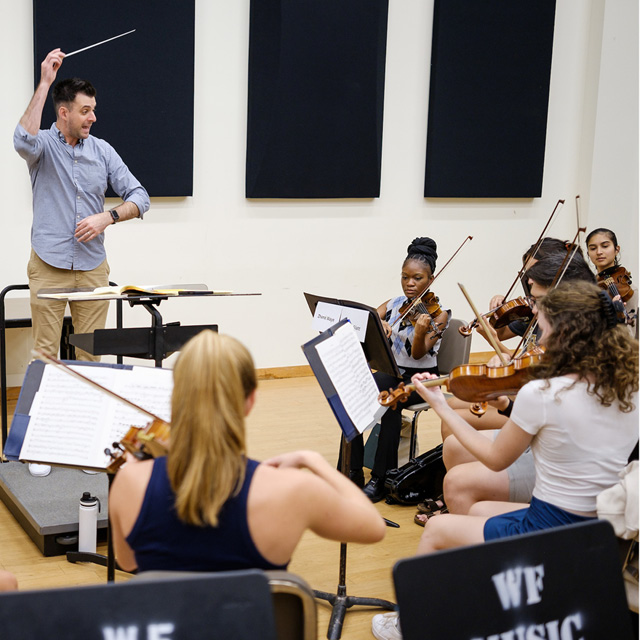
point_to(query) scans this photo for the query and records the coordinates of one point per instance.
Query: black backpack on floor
(419, 479)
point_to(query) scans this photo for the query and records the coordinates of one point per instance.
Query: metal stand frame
(340, 601)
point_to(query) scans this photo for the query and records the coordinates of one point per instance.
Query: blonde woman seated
(206, 506)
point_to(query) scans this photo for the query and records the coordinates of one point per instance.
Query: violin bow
(536, 247)
(41, 355)
(572, 249)
(418, 298)
(485, 325)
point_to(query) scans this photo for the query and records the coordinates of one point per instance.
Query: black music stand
(17, 435)
(339, 601)
(154, 343)
(67, 351)
(376, 346)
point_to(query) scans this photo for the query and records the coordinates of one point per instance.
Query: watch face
(114, 215)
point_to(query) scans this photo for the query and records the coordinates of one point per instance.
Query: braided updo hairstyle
(424, 250)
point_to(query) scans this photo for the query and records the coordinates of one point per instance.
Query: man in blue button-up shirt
(70, 171)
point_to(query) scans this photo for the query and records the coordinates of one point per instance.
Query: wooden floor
(289, 414)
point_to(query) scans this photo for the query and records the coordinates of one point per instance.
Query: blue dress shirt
(69, 184)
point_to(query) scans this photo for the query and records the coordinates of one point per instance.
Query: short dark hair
(544, 271)
(547, 247)
(66, 91)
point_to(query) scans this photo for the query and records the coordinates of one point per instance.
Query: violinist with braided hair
(579, 415)
(414, 343)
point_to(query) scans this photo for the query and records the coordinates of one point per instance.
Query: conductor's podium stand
(47, 508)
(154, 343)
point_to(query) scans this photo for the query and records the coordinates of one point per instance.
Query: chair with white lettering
(230, 605)
(294, 605)
(556, 584)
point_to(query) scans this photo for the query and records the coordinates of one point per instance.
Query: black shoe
(357, 476)
(374, 489)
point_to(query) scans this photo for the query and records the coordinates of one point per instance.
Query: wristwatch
(114, 215)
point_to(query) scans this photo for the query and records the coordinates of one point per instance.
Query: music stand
(339, 601)
(154, 343)
(376, 346)
(18, 432)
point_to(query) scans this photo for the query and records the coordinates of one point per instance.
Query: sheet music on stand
(62, 421)
(371, 332)
(339, 364)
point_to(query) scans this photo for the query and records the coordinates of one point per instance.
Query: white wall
(345, 248)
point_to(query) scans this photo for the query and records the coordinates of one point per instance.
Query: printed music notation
(71, 423)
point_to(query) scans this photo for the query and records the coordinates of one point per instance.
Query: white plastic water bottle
(88, 523)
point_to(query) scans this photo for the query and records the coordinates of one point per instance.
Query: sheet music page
(65, 418)
(149, 388)
(72, 423)
(346, 366)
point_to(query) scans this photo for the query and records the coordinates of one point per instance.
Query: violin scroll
(479, 408)
(151, 441)
(392, 397)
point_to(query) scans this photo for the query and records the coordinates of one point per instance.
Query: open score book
(128, 289)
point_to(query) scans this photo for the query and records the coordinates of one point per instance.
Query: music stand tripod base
(340, 601)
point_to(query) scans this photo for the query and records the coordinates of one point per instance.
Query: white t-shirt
(580, 446)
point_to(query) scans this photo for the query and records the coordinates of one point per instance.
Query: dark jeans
(390, 426)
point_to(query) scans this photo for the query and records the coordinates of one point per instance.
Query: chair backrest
(556, 583)
(222, 606)
(294, 605)
(454, 348)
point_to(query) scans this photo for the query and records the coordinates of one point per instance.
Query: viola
(517, 309)
(473, 382)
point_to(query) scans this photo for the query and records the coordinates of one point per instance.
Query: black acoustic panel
(488, 99)
(316, 88)
(144, 81)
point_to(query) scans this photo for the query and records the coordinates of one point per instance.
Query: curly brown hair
(582, 341)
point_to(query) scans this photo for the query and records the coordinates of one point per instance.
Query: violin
(473, 382)
(429, 303)
(617, 281)
(150, 441)
(426, 304)
(517, 309)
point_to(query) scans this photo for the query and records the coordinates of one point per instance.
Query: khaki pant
(47, 315)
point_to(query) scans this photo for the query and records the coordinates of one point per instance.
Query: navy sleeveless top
(161, 541)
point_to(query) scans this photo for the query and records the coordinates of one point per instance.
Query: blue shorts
(539, 515)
